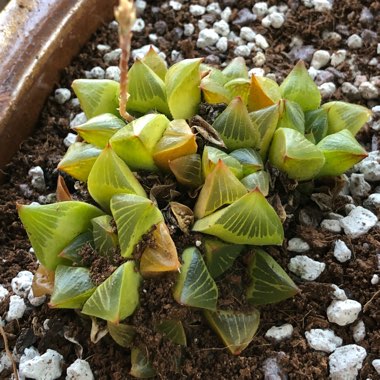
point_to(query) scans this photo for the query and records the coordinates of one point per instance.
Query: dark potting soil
(205, 357)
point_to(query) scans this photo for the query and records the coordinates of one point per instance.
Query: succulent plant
(224, 188)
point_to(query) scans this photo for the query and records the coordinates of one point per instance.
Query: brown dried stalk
(8, 352)
(125, 15)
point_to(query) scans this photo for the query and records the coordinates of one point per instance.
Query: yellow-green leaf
(155, 63)
(263, 92)
(188, 170)
(259, 180)
(72, 250)
(291, 116)
(105, 239)
(141, 367)
(316, 124)
(214, 92)
(250, 160)
(122, 334)
(173, 330)
(236, 69)
(238, 88)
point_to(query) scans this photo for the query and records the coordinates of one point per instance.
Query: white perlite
(242, 51)
(376, 365)
(338, 293)
(343, 312)
(78, 119)
(323, 340)
(214, 9)
(259, 59)
(38, 179)
(306, 268)
(276, 19)
(17, 308)
(261, 41)
(197, 10)
(260, 9)
(207, 37)
(188, 29)
(354, 42)
(358, 331)
(79, 370)
(221, 27)
(69, 139)
(345, 362)
(338, 57)
(341, 252)
(112, 56)
(368, 90)
(374, 280)
(5, 362)
(222, 44)
(359, 187)
(320, 59)
(298, 245)
(3, 293)
(327, 89)
(280, 333)
(35, 301)
(226, 14)
(62, 95)
(44, 367)
(246, 33)
(176, 5)
(370, 166)
(113, 73)
(331, 225)
(22, 283)
(138, 26)
(358, 222)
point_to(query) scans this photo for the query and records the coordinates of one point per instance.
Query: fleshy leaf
(105, 239)
(300, 88)
(249, 220)
(291, 116)
(52, 227)
(79, 159)
(221, 188)
(263, 92)
(173, 330)
(195, 287)
(236, 69)
(161, 254)
(146, 90)
(220, 256)
(249, 158)
(316, 124)
(236, 329)
(117, 297)
(235, 126)
(72, 287)
(214, 92)
(62, 193)
(135, 142)
(155, 63)
(341, 115)
(97, 96)
(109, 176)
(292, 153)
(182, 87)
(43, 281)
(258, 180)
(100, 129)
(270, 283)
(134, 216)
(122, 334)
(178, 140)
(341, 151)
(141, 367)
(73, 249)
(238, 88)
(188, 170)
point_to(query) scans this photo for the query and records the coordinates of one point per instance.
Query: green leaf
(97, 96)
(117, 297)
(188, 170)
(141, 367)
(269, 282)
(221, 188)
(341, 152)
(291, 116)
(146, 89)
(214, 92)
(238, 88)
(220, 256)
(263, 92)
(316, 123)
(72, 287)
(292, 153)
(135, 142)
(79, 159)
(52, 227)
(155, 63)
(134, 216)
(122, 334)
(236, 329)
(99, 129)
(341, 115)
(105, 239)
(173, 330)
(258, 180)
(300, 88)
(194, 286)
(236, 69)
(250, 160)
(249, 220)
(182, 87)
(72, 250)
(235, 126)
(109, 176)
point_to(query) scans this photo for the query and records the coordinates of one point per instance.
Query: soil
(205, 356)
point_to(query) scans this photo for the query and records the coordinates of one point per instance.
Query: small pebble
(70, 139)
(3, 293)
(22, 283)
(346, 361)
(374, 280)
(343, 312)
(368, 90)
(261, 41)
(341, 252)
(35, 301)
(188, 29)
(62, 95)
(5, 362)
(327, 89)
(197, 10)
(103, 48)
(376, 365)
(280, 333)
(222, 44)
(140, 6)
(222, 28)
(244, 17)
(298, 245)
(322, 5)
(359, 187)
(260, 9)
(332, 37)
(358, 331)
(370, 166)
(354, 42)
(112, 56)
(338, 57)
(259, 59)
(350, 90)
(113, 25)
(276, 20)
(226, 14)
(79, 370)
(306, 268)
(257, 71)
(113, 73)
(358, 222)
(177, 6)
(214, 9)
(38, 179)
(331, 225)
(247, 34)
(323, 340)
(242, 51)
(320, 59)
(141, 52)
(202, 24)
(79, 119)
(338, 293)
(17, 308)
(207, 37)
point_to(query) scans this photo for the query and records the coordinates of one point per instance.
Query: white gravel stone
(112, 56)
(247, 34)
(322, 5)
(376, 110)
(257, 71)
(276, 19)
(280, 333)
(226, 14)
(354, 42)
(323, 340)
(338, 293)
(5, 362)
(140, 6)
(78, 119)
(327, 89)
(266, 22)
(261, 41)
(45, 367)
(260, 9)
(138, 26)
(22, 283)
(214, 9)
(343, 312)
(69, 139)
(306, 268)
(358, 331)
(331, 225)
(62, 95)
(38, 179)
(346, 361)
(3, 293)
(29, 353)
(141, 52)
(207, 37)
(97, 73)
(79, 370)
(298, 245)
(374, 280)
(376, 365)
(341, 252)
(113, 73)
(222, 28)
(103, 48)
(17, 308)
(242, 51)
(313, 72)
(113, 25)
(35, 301)
(259, 59)
(368, 90)
(358, 222)
(359, 187)
(338, 57)
(370, 166)
(177, 6)
(222, 44)
(197, 10)
(188, 29)
(350, 90)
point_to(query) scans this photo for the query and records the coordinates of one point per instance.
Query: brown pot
(38, 38)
